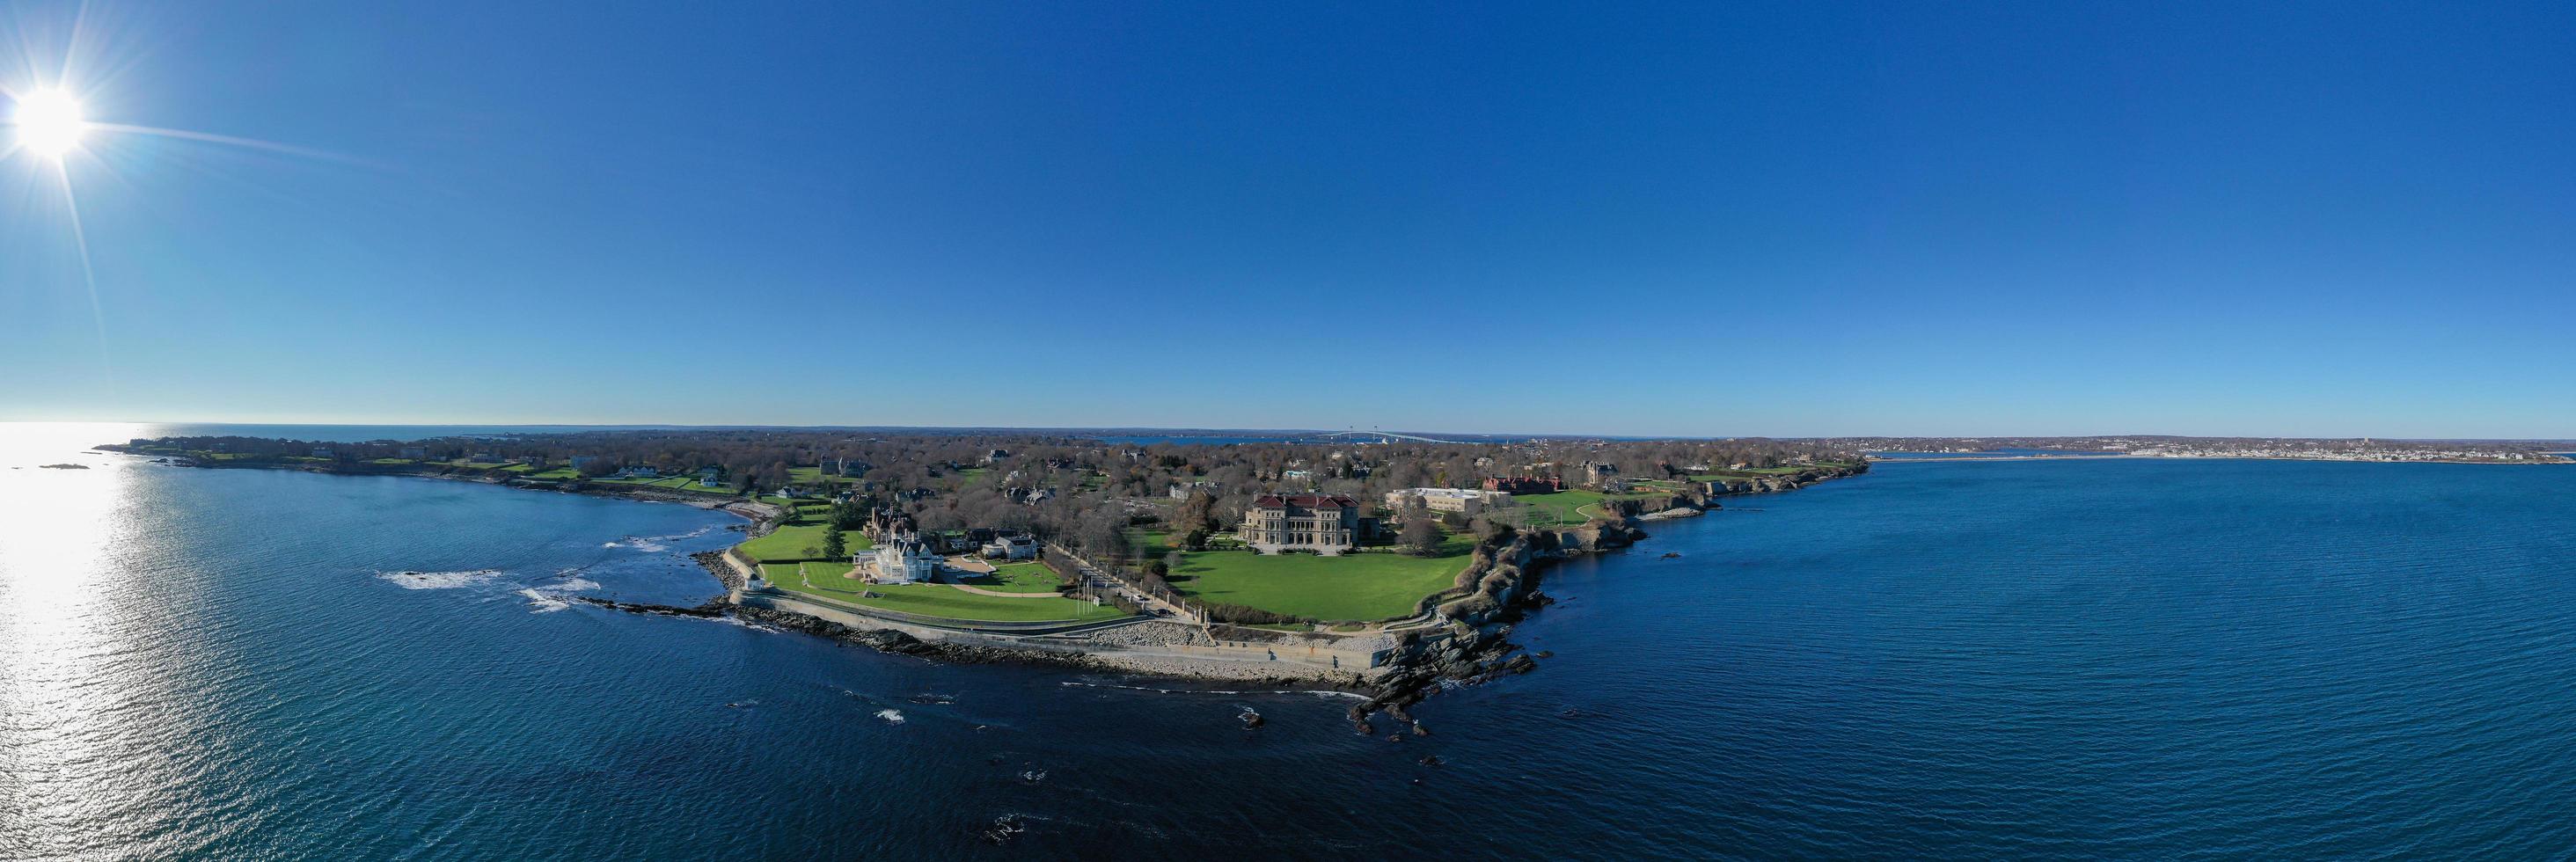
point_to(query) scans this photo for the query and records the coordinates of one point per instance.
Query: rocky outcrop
(1772, 484)
(1500, 584)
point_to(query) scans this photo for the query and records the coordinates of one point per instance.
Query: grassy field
(929, 600)
(813, 477)
(1019, 578)
(1348, 587)
(667, 483)
(1150, 544)
(1562, 507)
(1571, 506)
(788, 543)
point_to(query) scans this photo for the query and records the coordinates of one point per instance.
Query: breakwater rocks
(881, 640)
(709, 609)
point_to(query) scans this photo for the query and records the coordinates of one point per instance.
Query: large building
(1326, 523)
(1012, 547)
(1447, 499)
(906, 558)
(1524, 485)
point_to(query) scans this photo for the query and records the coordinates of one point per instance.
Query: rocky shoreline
(1470, 646)
(1502, 584)
(1497, 590)
(900, 643)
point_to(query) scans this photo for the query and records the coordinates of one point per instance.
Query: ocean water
(2075, 659)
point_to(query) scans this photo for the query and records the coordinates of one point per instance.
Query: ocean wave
(890, 716)
(438, 580)
(542, 602)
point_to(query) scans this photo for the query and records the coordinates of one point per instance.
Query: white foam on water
(890, 716)
(438, 580)
(540, 602)
(572, 585)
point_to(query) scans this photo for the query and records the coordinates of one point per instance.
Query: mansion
(1324, 523)
(905, 557)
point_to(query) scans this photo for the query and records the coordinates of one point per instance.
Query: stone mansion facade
(1325, 523)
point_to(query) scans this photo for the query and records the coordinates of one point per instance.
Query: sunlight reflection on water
(71, 660)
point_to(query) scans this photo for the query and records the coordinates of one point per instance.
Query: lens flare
(49, 123)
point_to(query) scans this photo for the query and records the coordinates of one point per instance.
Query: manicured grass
(814, 477)
(1150, 544)
(1018, 578)
(930, 600)
(1571, 506)
(558, 474)
(789, 541)
(1561, 507)
(1348, 587)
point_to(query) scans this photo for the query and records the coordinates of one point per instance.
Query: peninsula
(1382, 564)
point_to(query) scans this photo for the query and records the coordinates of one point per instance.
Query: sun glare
(49, 122)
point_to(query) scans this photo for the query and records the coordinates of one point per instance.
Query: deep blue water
(2075, 659)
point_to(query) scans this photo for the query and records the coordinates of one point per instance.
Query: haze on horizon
(2328, 220)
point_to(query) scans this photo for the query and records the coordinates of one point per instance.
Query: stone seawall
(1151, 647)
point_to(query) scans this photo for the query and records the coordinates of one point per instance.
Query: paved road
(1094, 579)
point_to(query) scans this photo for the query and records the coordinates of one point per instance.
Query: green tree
(834, 547)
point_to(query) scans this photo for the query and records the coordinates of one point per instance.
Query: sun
(49, 122)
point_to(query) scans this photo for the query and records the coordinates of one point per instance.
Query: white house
(1011, 548)
(907, 558)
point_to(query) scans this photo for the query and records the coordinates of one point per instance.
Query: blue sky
(1703, 219)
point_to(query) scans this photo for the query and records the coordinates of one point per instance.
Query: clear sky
(1696, 219)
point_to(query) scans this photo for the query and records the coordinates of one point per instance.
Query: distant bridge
(1384, 436)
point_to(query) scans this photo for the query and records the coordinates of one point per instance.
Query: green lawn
(1561, 507)
(788, 543)
(1348, 587)
(930, 600)
(1150, 544)
(1019, 578)
(686, 482)
(813, 477)
(1572, 506)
